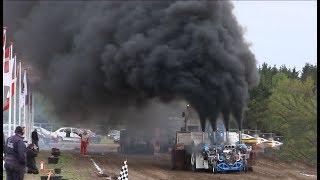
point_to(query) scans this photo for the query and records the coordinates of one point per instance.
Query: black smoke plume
(88, 57)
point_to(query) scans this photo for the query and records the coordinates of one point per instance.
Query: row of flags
(14, 76)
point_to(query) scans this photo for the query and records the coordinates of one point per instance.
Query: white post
(9, 117)
(3, 55)
(29, 116)
(15, 93)
(32, 124)
(27, 121)
(20, 93)
(24, 106)
(10, 106)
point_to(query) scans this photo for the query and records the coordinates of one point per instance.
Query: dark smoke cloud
(95, 56)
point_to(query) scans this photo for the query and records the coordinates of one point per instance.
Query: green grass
(71, 168)
(67, 163)
(106, 140)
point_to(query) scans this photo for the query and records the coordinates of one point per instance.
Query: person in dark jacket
(35, 138)
(31, 161)
(15, 156)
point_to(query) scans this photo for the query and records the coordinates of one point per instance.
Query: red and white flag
(7, 72)
(6, 106)
(8, 53)
(14, 75)
(24, 90)
(25, 87)
(12, 87)
(8, 64)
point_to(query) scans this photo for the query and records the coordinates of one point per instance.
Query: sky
(281, 32)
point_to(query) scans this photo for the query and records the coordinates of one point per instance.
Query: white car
(66, 134)
(271, 143)
(42, 131)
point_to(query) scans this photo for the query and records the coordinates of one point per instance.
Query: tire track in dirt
(282, 169)
(157, 167)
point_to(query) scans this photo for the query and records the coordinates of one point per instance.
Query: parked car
(43, 134)
(116, 138)
(271, 144)
(66, 134)
(114, 135)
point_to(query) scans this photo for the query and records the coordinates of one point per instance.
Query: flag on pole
(14, 75)
(8, 53)
(7, 73)
(23, 90)
(25, 87)
(8, 64)
(124, 172)
(6, 106)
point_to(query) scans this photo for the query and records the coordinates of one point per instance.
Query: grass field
(69, 162)
(66, 163)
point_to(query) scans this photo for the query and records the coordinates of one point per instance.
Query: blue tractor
(226, 158)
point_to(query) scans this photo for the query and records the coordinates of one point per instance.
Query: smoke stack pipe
(240, 136)
(202, 137)
(227, 136)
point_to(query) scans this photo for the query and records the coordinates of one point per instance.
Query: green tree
(257, 113)
(309, 70)
(293, 106)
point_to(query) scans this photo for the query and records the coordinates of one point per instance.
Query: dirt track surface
(157, 167)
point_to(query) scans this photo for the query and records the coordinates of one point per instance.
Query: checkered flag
(124, 172)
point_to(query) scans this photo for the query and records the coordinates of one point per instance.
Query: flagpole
(29, 116)
(3, 55)
(9, 117)
(15, 93)
(24, 104)
(20, 101)
(10, 93)
(32, 112)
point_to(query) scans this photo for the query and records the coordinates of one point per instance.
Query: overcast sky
(281, 32)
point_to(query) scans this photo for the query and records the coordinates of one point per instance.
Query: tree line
(285, 103)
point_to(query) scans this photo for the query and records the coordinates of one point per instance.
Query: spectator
(35, 138)
(15, 156)
(32, 152)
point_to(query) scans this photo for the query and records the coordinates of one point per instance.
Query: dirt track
(154, 167)
(157, 167)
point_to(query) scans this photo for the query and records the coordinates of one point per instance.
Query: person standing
(35, 138)
(15, 155)
(31, 161)
(84, 142)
